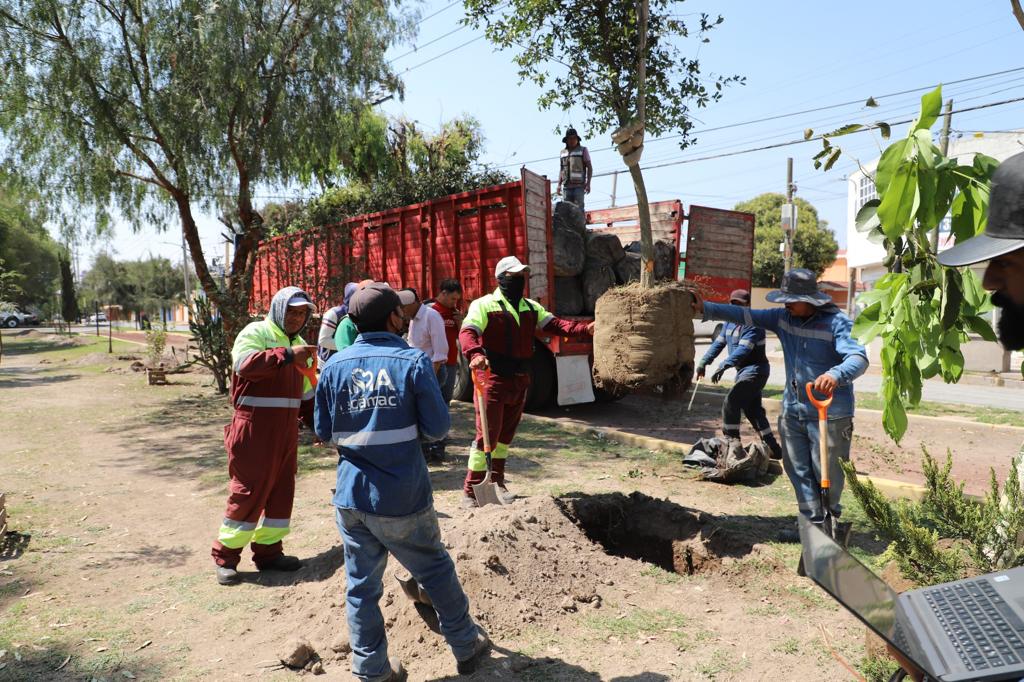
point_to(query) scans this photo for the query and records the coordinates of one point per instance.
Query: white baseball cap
(407, 296)
(300, 300)
(509, 264)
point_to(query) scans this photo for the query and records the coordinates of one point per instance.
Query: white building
(866, 256)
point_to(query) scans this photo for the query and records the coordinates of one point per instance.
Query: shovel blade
(486, 492)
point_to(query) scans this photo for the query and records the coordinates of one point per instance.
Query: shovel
(485, 491)
(694, 394)
(828, 521)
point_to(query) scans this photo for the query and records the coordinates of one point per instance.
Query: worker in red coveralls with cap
(497, 335)
(270, 391)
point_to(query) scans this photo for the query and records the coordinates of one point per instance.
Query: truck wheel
(463, 382)
(542, 379)
(11, 322)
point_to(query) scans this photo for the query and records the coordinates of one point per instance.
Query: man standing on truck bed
(746, 345)
(270, 392)
(497, 335)
(818, 348)
(575, 171)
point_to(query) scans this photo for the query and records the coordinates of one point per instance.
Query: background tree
(146, 285)
(160, 108)
(620, 60)
(814, 244)
(28, 250)
(68, 293)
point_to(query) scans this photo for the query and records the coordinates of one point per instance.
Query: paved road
(1009, 398)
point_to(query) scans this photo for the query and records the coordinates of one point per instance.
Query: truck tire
(543, 380)
(11, 322)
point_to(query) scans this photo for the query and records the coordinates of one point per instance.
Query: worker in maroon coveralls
(497, 334)
(270, 391)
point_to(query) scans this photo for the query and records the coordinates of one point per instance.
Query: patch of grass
(812, 597)
(313, 459)
(790, 645)
(641, 622)
(877, 668)
(721, 661)
(762, 610)
(660, 575)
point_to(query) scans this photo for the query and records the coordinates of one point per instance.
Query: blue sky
(795, 56)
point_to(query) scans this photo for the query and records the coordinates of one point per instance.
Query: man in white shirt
(426, 328)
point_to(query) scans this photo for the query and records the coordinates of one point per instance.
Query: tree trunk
(1018, 12)
(646, 237)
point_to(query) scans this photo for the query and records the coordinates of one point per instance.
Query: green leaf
(871, 102)
(832, 159)
(899, 201)
(928, 186)
(890, 160)
(808, 133)
(894, 418)
(954, 294)
(975, 295)
(845, 130)
(931, 106)
(866, 327)
(867, 216)
(985, 165)
(951, 362)
(884, 128)
(981, 327)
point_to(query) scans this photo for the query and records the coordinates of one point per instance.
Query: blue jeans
(802, 464)
(447, 379)
(574, 195)
(415, 540)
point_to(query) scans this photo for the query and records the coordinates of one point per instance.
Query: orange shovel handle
(822, 406)
(309, 373)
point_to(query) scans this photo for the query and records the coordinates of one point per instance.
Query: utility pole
(944, 148)
(788, 218)
(615, 184)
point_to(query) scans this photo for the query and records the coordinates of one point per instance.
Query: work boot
(468, 502)
(483, 645)
(397, 673)
(282, 562)
(498, 477)
(227, 575)
(505, 495)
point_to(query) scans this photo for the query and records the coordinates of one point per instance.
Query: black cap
(799, 286)
(740, 296)
(373, 303)
(1004, 231)
(571, 132)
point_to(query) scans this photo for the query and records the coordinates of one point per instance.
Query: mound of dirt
(644, 338)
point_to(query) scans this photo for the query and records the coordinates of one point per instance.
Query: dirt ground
(618, 565)
(976, 448)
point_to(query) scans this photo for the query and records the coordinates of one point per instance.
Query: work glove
(717, 376)
(700, 371)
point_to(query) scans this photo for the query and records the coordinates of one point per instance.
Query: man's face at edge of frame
(1004, 277)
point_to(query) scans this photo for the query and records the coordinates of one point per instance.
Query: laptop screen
(854, 586)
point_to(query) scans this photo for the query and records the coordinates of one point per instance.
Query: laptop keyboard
(985, 631)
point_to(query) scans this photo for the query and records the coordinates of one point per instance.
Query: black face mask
(1011, 322)
(512, 288)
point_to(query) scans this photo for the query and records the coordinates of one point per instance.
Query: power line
(815, 138)
(795, 113)
(417, 48)
(431, 16)
(443, 54)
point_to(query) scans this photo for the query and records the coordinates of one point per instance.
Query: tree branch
(1018, 13)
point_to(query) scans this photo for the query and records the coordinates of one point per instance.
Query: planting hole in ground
(659, 532)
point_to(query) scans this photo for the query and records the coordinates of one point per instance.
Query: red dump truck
(464, 235)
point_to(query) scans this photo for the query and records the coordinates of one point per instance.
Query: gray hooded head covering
(279, 305)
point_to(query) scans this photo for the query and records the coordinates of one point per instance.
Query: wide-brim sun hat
(799, 286)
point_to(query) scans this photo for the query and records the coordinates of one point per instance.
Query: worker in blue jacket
(375, 401)
(817, 348)
(746, 346)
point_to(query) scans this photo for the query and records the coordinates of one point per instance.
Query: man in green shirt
(346, 333)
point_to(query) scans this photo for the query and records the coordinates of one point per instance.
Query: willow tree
(155, 110)
(621, 61)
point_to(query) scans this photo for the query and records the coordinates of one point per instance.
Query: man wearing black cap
(375, 401)
(818, 349)
(746, 345)
(575, 171)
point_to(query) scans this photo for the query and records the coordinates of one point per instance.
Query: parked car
(98, 318)
(15, 318)
(710, 329)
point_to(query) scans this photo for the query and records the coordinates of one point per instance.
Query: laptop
(971, 629)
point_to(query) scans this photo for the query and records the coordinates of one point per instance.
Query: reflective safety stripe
(547, 318)
(235, 534)
(766, 432)
(242, 358)
(269, 533)
(761, 342)
(500, 451)
(475, 328)
(256, 401)
(732, 427)
(746, 343)
(387, 437)
(478, 460)
(820, 334)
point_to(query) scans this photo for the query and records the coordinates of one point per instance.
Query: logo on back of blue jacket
(369, 390)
